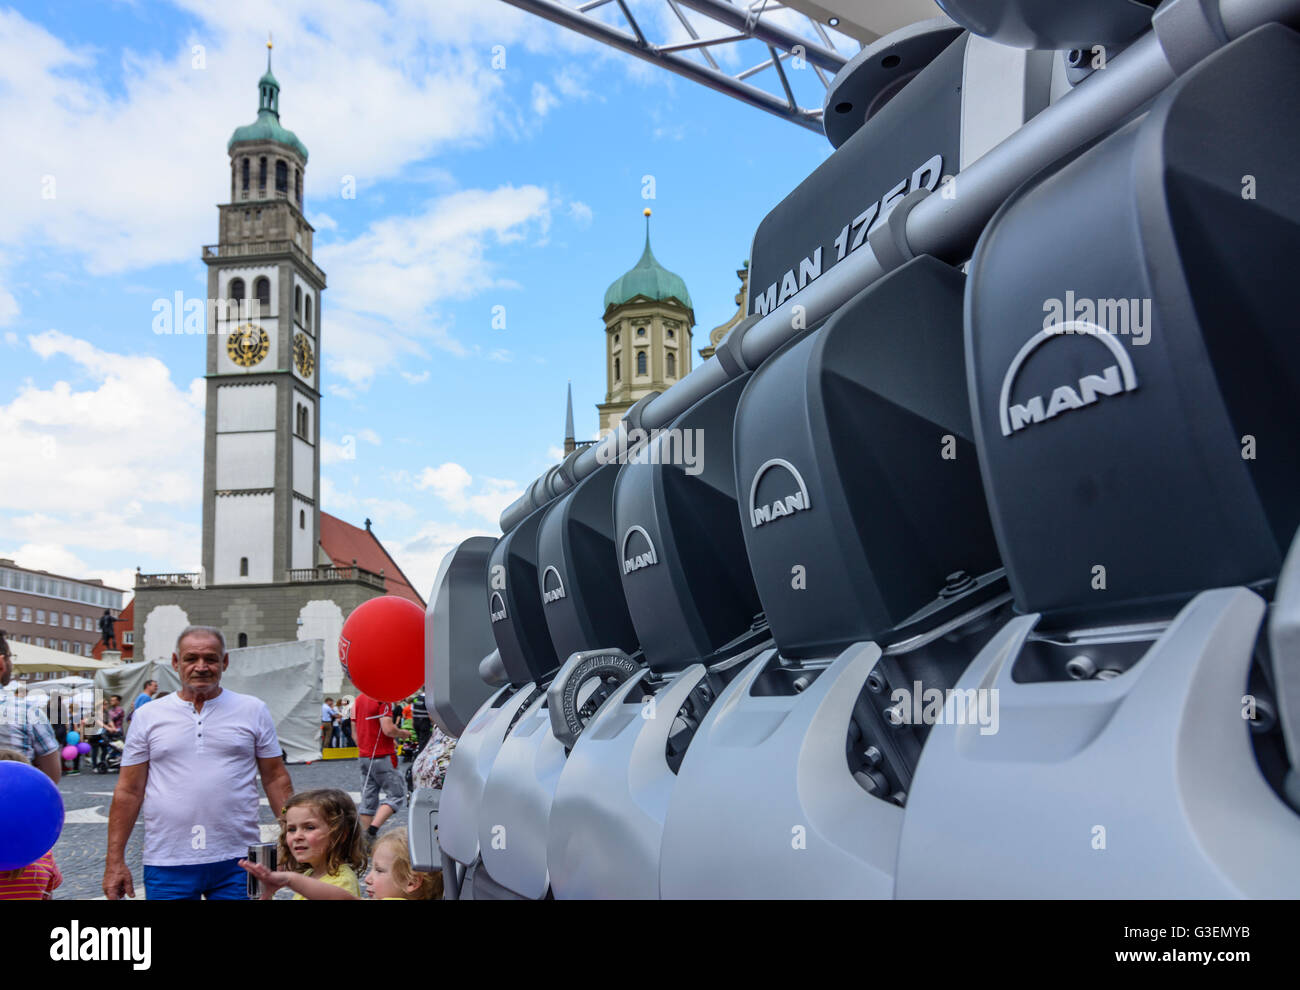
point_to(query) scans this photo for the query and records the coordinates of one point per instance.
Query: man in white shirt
(191, 761)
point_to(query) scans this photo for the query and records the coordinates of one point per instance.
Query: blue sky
(476, 186)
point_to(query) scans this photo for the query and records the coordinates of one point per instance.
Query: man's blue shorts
(222, 881)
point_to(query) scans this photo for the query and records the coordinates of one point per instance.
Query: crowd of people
(189, 765)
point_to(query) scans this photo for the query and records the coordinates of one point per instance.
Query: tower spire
(268, 51)
(570, 443)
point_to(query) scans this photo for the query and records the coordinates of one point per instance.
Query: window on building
(261, 174)
(307, 316)
(297, 185)
(672, 334)
(618, 372)
(40, 616)
(76, 622)
(128, 638)
(67, 621)
(243, 639)
(281, 177)
(76, 649)
(640, 362)
(11, 613)
(297, 300)
(671, 366)
(262, 289)
(65, 647)
(244, 184)
(302, 519)
(615, 340)
(640, 331)
(40, 640)
(236, 290)
(243, 567)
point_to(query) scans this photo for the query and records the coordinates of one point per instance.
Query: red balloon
(381, 648)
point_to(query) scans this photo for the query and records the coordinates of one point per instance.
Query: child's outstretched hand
(270, 881)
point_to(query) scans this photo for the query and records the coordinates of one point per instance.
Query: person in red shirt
(375, 732)
(35, 881)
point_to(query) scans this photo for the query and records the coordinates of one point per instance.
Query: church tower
(261, 469)
(648, 321)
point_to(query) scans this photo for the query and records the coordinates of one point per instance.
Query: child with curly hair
(391, 877)
(320, 835)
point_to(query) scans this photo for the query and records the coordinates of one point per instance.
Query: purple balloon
(69, 752)
(31, 815)
(83, 748)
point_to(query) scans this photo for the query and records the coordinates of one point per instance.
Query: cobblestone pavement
(81, 848)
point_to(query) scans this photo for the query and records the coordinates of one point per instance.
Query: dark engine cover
(908, 144)
(856, 470)
(1128, 475)
(685, 574)
(514, 606)
(577, 571)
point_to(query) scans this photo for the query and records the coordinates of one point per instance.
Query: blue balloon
(74, 738)
(31, 815)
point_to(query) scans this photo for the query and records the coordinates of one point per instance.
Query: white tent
(287, 676)
(29, 659)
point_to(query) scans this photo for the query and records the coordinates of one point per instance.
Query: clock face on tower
(302, 355)
(247, 345)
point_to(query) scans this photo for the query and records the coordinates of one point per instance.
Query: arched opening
(243, 640)
(297, 185)
(297, 300)
(281, 176)
(261, 174)
(618, 372)
(235, 291)
(302, 518)
(244, 184)
(243, 567)
(262, 289)
(307, 313)
(640, 362)
(671, 365)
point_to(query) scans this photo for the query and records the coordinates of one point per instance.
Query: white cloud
(416, 379)
(388, 87)
(421, 555)
(370, 437)
(387, 282)
(580, 212)
(451, 483)
(323, 221)
(337, 453)
(108, 454)
(543, 99)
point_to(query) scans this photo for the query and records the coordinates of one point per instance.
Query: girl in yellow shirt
(320, 836)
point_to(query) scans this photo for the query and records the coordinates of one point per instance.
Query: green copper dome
(267, 126)
(649, 279)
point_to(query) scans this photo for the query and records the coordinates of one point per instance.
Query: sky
(496, 160)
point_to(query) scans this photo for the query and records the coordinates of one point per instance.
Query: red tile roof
(344, 543)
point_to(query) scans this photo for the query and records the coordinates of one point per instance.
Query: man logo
(497, 606)
(645, 558)
(1114, 379)
(784, 506)
(555, 591)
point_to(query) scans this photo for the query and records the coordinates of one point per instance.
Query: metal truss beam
(694, 59)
